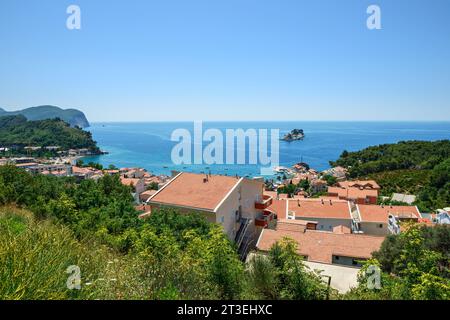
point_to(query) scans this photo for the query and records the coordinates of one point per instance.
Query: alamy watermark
(374, 20)
(73, 21)
(231, 148)
(74, 280)
(373, 276)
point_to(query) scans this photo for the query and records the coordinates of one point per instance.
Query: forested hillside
(17, 131)
(415, 167)
(72, 116)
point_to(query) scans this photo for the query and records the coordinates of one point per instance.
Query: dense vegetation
(17, 131)
(402, 155)
(413, 265)
(94, 225)
(415, 167)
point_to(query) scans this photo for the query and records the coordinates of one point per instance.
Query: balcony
(265, 203)
(264, 219)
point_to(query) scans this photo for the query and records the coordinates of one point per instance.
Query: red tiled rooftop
(144, 196)
(272, 194)
(278, 207)
(353, 193)
(129, 181)
(189, 190)
(319, 208)
(374, 213)
(320, 246)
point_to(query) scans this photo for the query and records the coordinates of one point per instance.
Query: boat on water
(281, 169)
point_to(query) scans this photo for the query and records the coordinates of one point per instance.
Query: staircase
(243, 238)
(242, 231)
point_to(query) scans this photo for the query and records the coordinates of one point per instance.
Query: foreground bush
(34, 257)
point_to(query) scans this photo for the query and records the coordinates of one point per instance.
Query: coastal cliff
(73, 117)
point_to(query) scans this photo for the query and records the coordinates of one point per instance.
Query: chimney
(298, 202)
(205, 179)
(322, 201)
(331, 203)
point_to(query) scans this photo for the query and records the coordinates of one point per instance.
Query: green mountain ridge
(72, 116)
(17, 131)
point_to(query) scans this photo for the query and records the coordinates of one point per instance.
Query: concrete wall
(372, 228)
(226, 213)
(346, 261)
(242, 197)
(325, 224)
(343, 278)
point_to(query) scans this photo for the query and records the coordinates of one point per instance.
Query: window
(291, 215)
(238, 215)
(380, 226)
(336, 257)
(222, 219)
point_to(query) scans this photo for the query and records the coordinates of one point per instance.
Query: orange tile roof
(189, 190)
(320, 246)
(144, 196)
(353, 193)
(319, 208)
(341, 229)
(279, 207)
(111, 171)
(294, 225)
(80, 170)
(374, 213)
(129, 181)
(272, 194)
(28, 164)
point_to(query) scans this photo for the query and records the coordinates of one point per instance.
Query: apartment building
(384, 219)
(360, 192)
(237, 204)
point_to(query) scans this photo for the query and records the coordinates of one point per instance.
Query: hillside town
(337, 223)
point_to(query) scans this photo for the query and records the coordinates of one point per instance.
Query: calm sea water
(148, 145)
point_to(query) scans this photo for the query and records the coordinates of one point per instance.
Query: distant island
(73, 117)
(295, 134)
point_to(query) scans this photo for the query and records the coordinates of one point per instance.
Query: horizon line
(239, 121)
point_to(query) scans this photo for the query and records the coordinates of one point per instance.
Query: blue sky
(228, 59)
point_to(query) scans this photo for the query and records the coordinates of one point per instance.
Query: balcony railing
(264, 203)
(263, 219)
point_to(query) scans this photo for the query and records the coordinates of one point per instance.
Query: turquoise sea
(149, 145)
